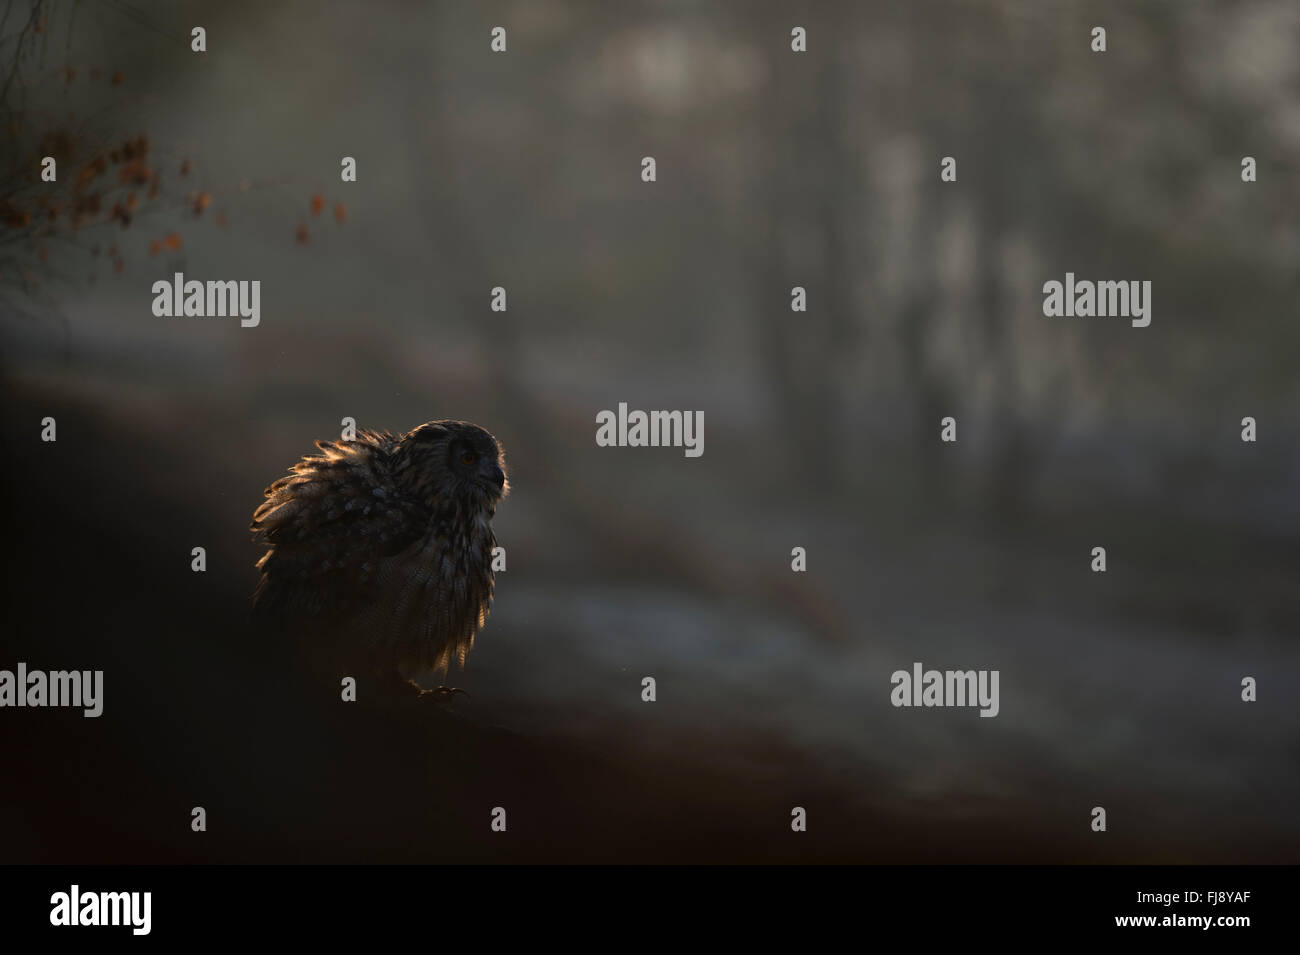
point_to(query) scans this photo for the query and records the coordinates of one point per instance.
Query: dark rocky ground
(200, 711)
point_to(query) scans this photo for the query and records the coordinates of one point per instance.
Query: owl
(379, 549)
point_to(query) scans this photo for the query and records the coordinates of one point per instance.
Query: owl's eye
(469, 457)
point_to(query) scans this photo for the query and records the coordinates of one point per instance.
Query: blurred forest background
(775, 169)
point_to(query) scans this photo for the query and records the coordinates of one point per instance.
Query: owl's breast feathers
(354, 558)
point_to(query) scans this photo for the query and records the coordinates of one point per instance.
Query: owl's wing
(330, 525)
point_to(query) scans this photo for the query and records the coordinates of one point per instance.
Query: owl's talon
(442, 694)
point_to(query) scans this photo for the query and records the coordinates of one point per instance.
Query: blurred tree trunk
(807, 176)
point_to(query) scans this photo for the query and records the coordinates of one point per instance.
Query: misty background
(821, 429)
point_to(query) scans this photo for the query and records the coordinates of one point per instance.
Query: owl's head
(455, 459)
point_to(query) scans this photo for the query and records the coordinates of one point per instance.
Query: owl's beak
(494, 475)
